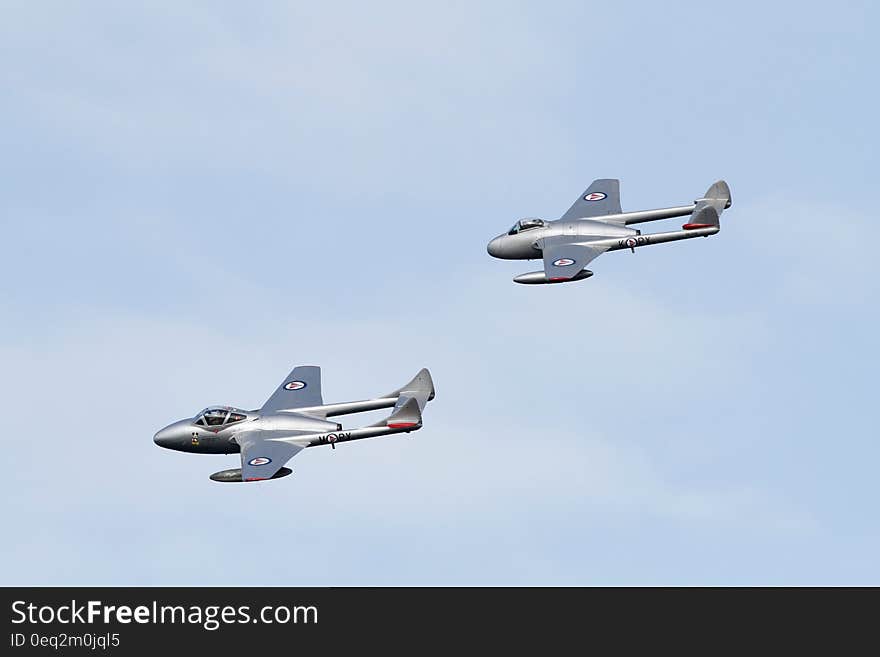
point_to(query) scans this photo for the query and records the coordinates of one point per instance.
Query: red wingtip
(401, 425)
(693, 226)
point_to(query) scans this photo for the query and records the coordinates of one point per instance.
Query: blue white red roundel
(260, 460)
(563, 262)
(595, 196)
(295, 385)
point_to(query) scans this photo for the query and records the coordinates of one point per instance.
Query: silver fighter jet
(594, 225)
(293, 418)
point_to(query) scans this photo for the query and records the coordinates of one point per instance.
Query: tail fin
(707, 211)
(411, 401)
(406, 415)
(421, 388)
(719, 191)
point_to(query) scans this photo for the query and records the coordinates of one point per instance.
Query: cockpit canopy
(526, 224)
(218, 416)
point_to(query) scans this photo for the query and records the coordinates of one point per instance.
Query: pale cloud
(496, 444)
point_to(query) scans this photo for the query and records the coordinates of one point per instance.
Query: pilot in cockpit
(526, 224)
(215, 417)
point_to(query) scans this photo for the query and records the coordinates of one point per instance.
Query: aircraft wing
(563, 260)
(600, 198)
(301, 388)
(262, 458)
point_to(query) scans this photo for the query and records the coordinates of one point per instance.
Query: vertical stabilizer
(707, 211)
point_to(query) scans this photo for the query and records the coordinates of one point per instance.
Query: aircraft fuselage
(527, 245)
(187, 436)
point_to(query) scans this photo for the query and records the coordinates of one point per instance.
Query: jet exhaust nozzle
(234, 475)
(540, 278)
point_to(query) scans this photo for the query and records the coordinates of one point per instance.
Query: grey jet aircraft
(293, 418)
(595, 224)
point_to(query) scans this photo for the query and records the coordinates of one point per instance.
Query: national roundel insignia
(260, 460)
(563, 262)
(295, 385)
(595, 196)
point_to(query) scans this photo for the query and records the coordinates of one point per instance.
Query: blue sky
(196, 198)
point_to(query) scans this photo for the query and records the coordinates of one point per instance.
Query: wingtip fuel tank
(540, 278)
(234, 475)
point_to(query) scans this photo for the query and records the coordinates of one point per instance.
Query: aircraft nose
(494, 247)
(161, 438)
(164, 438)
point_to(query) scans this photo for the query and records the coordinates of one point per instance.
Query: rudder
(707, 210)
